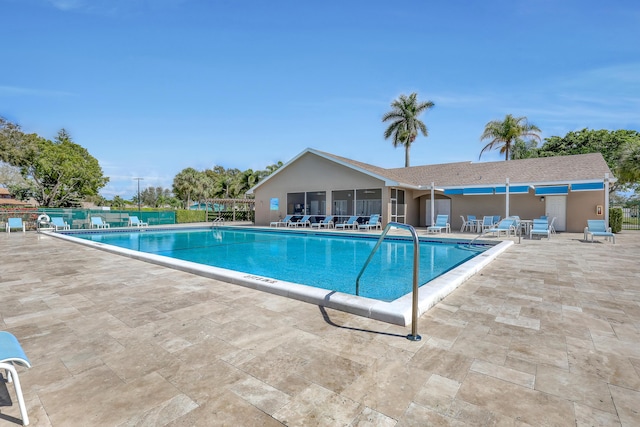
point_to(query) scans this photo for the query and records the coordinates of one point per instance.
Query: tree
(405, 125)
(59, 173)
(620, 149)
(507, 133)
(185, 185)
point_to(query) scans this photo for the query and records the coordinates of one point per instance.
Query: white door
(556, 206)
(441, 207)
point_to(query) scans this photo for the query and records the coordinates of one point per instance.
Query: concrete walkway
(547, 335)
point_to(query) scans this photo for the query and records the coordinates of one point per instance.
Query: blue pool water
(323, 260)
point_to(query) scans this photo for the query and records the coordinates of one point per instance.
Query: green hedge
(615, 219)
(184, 216)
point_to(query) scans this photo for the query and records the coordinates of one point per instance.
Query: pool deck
(547, 334)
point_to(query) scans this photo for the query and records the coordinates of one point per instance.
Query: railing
(416, 268)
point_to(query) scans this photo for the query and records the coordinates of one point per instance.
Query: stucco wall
(580, 207)
(311, 173)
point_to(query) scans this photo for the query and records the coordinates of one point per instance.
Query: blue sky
(151, 87)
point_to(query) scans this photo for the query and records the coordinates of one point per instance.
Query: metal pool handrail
(416, 263)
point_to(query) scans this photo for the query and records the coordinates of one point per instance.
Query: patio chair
(285, 221)
(505, 226)
(352, 222)
(59, 223)
(598, 227)
(374, 222)
(326, 222)
(303, 222)
(487, 222)
(12, 354)
(541, 227)
(442, 222)
(15, 223)
(496, 219)
(466, 226)
(97, 222)
(135, 222)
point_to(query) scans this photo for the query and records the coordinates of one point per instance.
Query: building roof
(541, 170)
(577, 168)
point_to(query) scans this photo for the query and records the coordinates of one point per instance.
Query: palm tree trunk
(406, 155)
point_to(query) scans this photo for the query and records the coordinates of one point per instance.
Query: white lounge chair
(374, 222)
(97, 222)
(326, 222)
(135, 222)
(442, 222)
(12, 354)
(352, 222)
(285, 222)
(506, 226)
(598, 227)
(59, 223)
(15, 223)
(302, 222)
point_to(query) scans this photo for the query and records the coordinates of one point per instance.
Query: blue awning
(554, 190)
(588, 186)
(513, 189)
(453, 191)
(480, 191)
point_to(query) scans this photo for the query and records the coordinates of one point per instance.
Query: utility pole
(138, 179)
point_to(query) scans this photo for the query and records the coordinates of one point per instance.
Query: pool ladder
(416, 267)
(218, 221)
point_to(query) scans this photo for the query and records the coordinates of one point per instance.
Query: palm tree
(505, 134)
(405, 123)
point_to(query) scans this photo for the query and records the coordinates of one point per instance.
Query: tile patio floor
(547, 335)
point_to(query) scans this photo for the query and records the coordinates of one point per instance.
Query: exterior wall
(311, 173)
(580, 207)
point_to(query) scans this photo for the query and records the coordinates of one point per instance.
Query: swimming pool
(314, 266)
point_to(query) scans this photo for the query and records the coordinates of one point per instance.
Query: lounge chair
(59, 223)
(540, 226)
(302, 222)
(374, 222)
(14, 223)
(11, 354)
(285, 221)
(505, 226)
(135, 222)
(598, 227)
(442, 222)
(97, 222)
(326, 222)
(352, 222)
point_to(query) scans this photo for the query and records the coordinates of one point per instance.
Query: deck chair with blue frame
(12, 354)
(14, 223)
(285, 221)
(598, 227)
(97, 222)
(442, 222)
(374, 222)
(352, 222)
(59, 223)
(541, 227)
(134, 221)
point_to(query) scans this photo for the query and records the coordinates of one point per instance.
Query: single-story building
(572, 189)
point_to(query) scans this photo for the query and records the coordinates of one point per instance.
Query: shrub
(184, 216)
(615, 219)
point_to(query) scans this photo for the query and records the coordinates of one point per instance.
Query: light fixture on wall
(542, 199)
